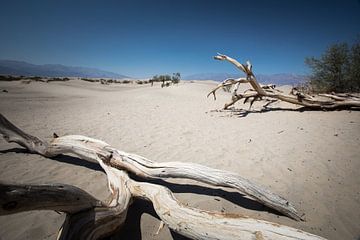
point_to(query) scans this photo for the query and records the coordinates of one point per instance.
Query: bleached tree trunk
(92, 219)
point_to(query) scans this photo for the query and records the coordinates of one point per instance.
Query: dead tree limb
(200, 224)
(146, 168)
(87, 217)
(332, 102)
(16, 198)
(95, 150)
(100, 221)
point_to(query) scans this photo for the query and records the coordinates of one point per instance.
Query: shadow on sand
(61, 158)
(239, 112)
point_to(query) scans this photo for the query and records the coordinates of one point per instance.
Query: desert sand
(311, 158)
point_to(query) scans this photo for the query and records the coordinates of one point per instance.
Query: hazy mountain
(278, 79)
(10, 67)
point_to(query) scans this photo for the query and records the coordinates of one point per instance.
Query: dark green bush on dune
(166, 79)
(337, 70)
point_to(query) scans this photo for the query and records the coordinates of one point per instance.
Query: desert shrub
(86, 79)
(3, 78)
(175, 78)
(36, 78)
(104, 81)
(337, 70)
(90, 80)
(55, 79)
(26, 81)
(9, 78)
(165, 79)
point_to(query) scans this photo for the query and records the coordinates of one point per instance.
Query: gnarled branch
(96, 150)
(200, 224)
(334, 101)
(101, 220)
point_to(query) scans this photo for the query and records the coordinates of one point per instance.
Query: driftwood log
(260, 92)
(89, 218)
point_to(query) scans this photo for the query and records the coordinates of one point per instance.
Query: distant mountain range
(20, 68)
(278, 79)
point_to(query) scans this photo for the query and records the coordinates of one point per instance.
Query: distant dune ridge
(11, 67)
(278, 78)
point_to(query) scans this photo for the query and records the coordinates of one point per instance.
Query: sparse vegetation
(36, 78)
(28, 79)
(176, 78)
(9, 78)
(166, 80)
(108, 81)
(90, 80)
(56, 79)
(337, 70)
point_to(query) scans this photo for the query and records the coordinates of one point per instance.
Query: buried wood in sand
(260, 92)
(89, 218)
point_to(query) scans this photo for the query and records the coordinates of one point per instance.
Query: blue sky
(144, 38)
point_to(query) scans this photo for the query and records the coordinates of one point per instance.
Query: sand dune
(311, 158)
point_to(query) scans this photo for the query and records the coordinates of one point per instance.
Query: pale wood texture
(99, 221)
(149, 169)
(93, 150)
(259, 92)
(200, 224)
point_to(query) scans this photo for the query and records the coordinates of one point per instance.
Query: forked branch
(98, 151)
(331, 101)
(94, 219)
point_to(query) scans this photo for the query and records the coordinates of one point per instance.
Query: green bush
(165, 79)
(337, 70)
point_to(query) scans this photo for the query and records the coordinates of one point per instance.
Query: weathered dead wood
(87, 217)
(93, 150)
(312, 102)
(200, 224)
(100, 222)
(227, 82)
(148, 169)
(103, 220)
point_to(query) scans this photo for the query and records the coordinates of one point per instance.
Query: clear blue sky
(143, 38)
